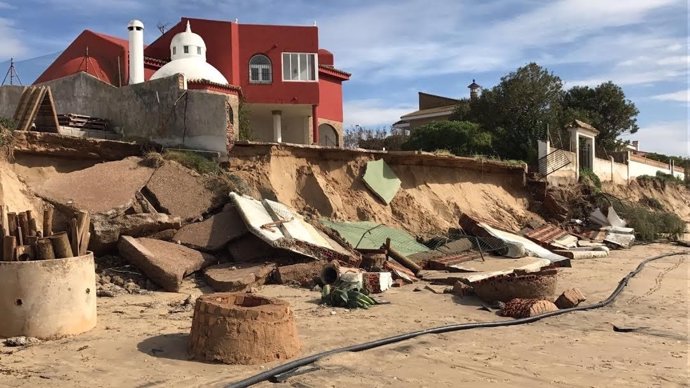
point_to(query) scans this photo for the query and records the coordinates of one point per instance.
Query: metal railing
(553, 162)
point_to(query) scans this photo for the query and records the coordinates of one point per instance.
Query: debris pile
(24, 240)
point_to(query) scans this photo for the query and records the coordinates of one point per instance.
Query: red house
(291, 90)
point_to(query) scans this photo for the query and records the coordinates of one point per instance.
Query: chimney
(474, 90)
(136, 51)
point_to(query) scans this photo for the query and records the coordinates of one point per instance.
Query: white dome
(192, 68)
(192, 63)
(187, 41)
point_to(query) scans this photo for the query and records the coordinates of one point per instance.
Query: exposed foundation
(47, 299)
(236, 328)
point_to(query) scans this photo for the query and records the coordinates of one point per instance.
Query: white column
(136, 51)
(277, 126)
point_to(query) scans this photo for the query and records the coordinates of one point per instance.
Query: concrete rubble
(106, 231)
(231, 277)
(163, 262)
(106, 188)
(180, 192)
(214, 233)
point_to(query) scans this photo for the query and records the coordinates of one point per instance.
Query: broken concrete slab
(381, 180)
(229, 278)
(108, 188)
(214, 233)
(281, 227)
(302, 274)
(181, 192)
(163, 262)
(614, 219)
(251, 248)
(581, 254)
(106, 231)
(620, 239)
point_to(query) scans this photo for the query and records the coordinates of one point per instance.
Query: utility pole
(12, 73)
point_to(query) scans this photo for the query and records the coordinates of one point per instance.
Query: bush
(7, 123)
(152, 159)
(589, 178)
(193, 161)
(462, 138)
(649, 225)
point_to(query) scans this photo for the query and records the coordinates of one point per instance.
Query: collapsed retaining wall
(161, 110)
(435, 190)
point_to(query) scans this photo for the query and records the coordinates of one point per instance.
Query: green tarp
(371, 235)
(381, 180)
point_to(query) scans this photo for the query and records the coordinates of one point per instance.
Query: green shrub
(193, 161)
(7, 123)
(589, 178)
(152, 159)
(649, 225)
(462, 138)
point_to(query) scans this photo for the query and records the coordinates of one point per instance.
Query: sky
(396, 48)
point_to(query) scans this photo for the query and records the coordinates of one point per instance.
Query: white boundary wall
(606, 170)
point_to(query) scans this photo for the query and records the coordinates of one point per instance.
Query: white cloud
(4, 5)
(413, 38)
(373, 113)
(679, 96)
(11, 45)
(666, 137)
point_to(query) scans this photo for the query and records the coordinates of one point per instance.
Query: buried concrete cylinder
(237, 328)
(48, 299)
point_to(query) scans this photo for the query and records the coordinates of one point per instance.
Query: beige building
(433, 108)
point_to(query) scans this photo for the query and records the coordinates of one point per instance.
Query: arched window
(260, 71)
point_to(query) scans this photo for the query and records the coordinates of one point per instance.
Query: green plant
(245, 130)
(652, 203)
(589, 178)
(194, 161)
(152, 159)
(649, 225)
(7, 123)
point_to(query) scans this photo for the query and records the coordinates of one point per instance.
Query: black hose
(292, 365)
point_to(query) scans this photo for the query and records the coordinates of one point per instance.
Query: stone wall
(160, 111)
(9, 98)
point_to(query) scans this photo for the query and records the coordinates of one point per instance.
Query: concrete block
(163, 262)
(227, 278)
(213, 233)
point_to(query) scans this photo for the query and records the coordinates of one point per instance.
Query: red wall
(272, 41)
(331, 104)
(103, 59)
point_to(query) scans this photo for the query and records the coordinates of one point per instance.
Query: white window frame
(261, 81)
(282, 66)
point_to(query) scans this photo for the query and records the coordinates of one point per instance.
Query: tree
(374, 139)
(605, 108)
(518, 111)
(459, 137)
